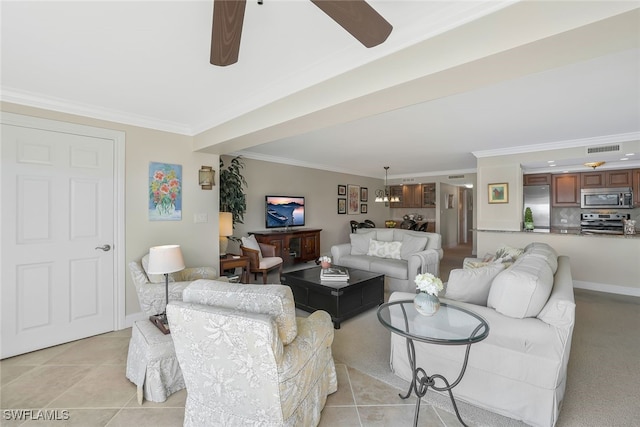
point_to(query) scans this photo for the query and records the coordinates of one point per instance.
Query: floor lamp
(164, 260)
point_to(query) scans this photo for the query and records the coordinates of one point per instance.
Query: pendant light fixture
(382, 195)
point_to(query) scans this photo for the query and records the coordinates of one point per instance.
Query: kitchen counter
(573, 231)
(606, 263)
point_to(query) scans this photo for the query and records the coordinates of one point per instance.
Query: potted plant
(528, 219)
(232, 197)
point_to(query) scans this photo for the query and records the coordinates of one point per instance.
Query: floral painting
(165, 192)
(353, 199)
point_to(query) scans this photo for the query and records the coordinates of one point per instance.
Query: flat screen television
(284, 211)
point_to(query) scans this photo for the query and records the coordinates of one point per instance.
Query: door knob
(105, 248)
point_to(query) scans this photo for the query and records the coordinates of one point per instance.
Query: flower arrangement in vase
(325, 261)
(528, 219)
(427, 302)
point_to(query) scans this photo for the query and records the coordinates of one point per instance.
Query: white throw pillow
(472, 285)
(384, 249)
(251, 243)
(507, 253)
(411, 245)
(522, 290)
(360, 242)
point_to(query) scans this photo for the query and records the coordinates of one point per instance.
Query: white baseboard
(131, 318)
(611, 289)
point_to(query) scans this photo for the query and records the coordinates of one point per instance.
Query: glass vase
(426, 304)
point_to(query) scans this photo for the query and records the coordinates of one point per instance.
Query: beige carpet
(604, 365)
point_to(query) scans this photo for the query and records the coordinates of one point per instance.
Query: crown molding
(65, 106)
(558, 145)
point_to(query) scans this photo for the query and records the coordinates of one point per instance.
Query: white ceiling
(146, 63)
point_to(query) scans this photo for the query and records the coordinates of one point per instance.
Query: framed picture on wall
(363, 208)
(342, 190)
(364, 194)
(353, 199)
(165, 192)
(342, 206)
(499, 193)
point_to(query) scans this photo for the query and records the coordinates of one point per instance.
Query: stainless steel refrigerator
(538, 198)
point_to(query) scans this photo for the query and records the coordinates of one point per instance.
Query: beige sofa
(397, 253)
(520, 369)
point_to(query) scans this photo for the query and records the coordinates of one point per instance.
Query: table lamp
(225, 224)
(164, 260)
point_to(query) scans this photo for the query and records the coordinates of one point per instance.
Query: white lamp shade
(165, 259)
(225, 223)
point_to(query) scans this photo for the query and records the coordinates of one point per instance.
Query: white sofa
(397, 253)
(520, 369)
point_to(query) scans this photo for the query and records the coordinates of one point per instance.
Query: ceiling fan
(355, 16)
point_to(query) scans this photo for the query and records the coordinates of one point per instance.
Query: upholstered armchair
(247, 360)
(151, 287)
(262, 257)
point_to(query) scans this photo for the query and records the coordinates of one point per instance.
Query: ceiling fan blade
(228, 16)
(358, 18)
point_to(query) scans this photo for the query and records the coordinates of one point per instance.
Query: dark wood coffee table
(342, 300)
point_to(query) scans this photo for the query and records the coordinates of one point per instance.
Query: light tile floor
(87, 378)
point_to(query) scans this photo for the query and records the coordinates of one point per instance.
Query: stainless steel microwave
(597, 198)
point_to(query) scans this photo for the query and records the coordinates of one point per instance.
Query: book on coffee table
(334, 274)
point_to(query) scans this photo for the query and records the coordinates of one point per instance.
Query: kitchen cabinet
(606, 179)
(565, 190)
(537, 179)
(636, 187)
(396, 191)
(412, 196)
(429, 195)
(293, 246)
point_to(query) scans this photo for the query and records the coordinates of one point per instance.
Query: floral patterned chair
(247, 360)
(151, 287)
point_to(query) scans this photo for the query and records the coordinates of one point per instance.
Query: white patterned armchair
(151, 287)
(247, 360)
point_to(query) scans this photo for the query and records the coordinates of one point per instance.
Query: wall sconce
(205, 177)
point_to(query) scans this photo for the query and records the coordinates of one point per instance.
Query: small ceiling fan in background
(355, 16)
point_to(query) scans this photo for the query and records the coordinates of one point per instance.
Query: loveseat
(520, 369)
(398, 254)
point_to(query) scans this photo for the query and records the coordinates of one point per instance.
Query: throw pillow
(251, 243)
(472, 285)
(522, 290)
(411, 245)
(360, 242)
(385, 235)
(507, 253)
(384, 249)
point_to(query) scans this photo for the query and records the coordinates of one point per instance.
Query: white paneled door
(57, 237)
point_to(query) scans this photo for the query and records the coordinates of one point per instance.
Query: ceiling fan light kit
(355, 16)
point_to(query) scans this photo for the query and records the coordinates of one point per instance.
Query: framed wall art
(165, 192)
(353, 199)
(342, 206)
(363, 208)
(364, 194)
(499, 193)
(342, 190)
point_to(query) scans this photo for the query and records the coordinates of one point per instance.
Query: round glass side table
(451, 325)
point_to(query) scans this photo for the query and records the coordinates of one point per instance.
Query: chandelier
(382, 195)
